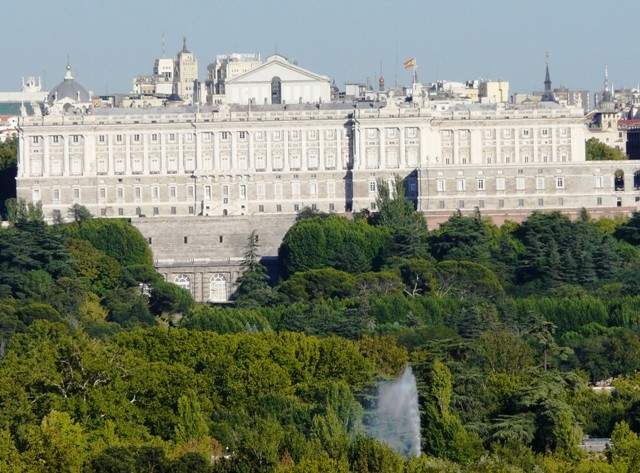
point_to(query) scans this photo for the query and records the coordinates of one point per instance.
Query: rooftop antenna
(163, 44)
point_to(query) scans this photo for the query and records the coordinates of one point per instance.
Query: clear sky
(109, 42)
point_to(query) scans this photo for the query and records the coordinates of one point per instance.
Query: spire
(606, 91)
(548, 95)
(547, 77)
(184, 45)
(68, 75)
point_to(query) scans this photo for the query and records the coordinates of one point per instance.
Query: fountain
(396, 420)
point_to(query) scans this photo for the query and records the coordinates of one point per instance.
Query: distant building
(278, 82)
(493, 91)
(227, 67)
(197, 179)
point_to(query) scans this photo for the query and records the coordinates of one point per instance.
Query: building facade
(198, 180)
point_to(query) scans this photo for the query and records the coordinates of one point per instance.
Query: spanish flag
(410, 63)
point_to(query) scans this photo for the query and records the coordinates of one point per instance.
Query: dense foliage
(106, 367)
(596, 150)
(8, 172)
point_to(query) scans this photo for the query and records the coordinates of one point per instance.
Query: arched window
(636, 180)
(276, 90)
(183, 281)
(619, 180)
(218, 288)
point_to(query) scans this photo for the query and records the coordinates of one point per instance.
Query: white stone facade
(267, 160)
(212, 167)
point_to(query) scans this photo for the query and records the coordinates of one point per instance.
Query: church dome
(68, 89)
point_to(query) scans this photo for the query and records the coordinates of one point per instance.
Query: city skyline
(110, 44)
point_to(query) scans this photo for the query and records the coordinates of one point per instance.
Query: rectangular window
(506, 133)
(103, 193)
(278, 208)
(188, 137)
(173, 210)
(501, 203)
(56, 194)
(441, 204)
(56, 139)
(520, 183)
(190, 191)
(120, 211)
(598, 182)
(156, 210)
(372, 186)
(206, 136)
(172, 192)
(539, 183)
(103, 212)
(260, 189)
(172, 138)
(120, 193)
(599, 201)
(481, 204)
(260, 208)
(331, 188)
(313, 188)
(119, 139)
(441, 185)
(242, 135)
(75, 138)
(101, 138)
(296, 207)
(136, 138)
(460, 185)
(225, 191)
(461, 204)
(559, 182)
(243, 191)
(480, 184)
(500, 184)
(154, 137)
(277, 189)
(295, 188)
(520, 202)
(277, 135)
(540, 202)
(138, 193)
(207, 192)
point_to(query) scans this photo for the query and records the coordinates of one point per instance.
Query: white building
(276, 82)
(209, 169)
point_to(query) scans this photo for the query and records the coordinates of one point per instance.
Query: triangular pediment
(278, 66)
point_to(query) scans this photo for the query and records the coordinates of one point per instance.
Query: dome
(68, 89)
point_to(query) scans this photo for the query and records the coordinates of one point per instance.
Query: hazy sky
(109, 42)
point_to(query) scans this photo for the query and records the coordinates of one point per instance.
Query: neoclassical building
(197, 180)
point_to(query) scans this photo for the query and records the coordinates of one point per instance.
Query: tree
(596, 150)
(443, 434)
(191, 421)
(8, 172)
(252, 287)
(408, 228)
(79, 213)
(58, 444)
